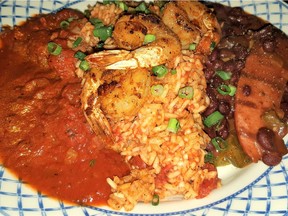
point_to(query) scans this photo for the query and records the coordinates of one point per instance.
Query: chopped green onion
(77, 42)
(160, 70)
(100, 45)
(64, 24)
(224, 74)
(142, 8)
(157, 90)
(103, 32)
(87, 13)
(84, 65)
(122, 5)
(227, 90)
(149, 38)
(209, 158)
(70, 19)
(80, 55)
(212, 45)
(173, 125)
(106, 2)
(96, 22)
(54, 48)
(192, 46)
(219, 143)
(186, 92)
(232, 90)
(213, 119)
(173, 71)
(155, 200)
(223, 89)
(92, 162)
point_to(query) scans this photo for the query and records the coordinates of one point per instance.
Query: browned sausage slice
(265, 77)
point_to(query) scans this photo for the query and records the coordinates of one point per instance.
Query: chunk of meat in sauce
(44, 136)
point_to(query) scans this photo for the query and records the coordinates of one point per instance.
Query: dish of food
(236, 187)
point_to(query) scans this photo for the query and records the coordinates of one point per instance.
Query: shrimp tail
(92, 111)
(106, 58)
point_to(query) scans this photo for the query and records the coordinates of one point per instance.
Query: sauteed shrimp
(193, 23)
(130, 29)
(114, 94)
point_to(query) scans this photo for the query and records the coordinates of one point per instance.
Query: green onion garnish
(192, 46)
(157, 90)
(70, 19)
(227, 90)
(232, 90)
(186, 92)
(173, 71)
(155, 200)
(149, 38)
(103, 32)
(160, 70)
(173, 125)
(84, 65)
(224, 74)
(209, 157)
(77, 42)
(80, 55)
(213, 119)
(142, 8)
(92, 162)
(223, 89)
(96, 22)
(219, 143)
(64, 24)
(54, 48)
(122, 5)
(106, 2)
(212, 45)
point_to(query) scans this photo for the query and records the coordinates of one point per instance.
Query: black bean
(229, 66)
(265, 138)
(246, 90)
(216, 81)
(210, 147)
(269, 46)
(266, 31)
(209, 73)
(223, 129)
(214, 55)
(211, 132)
(224, 107)
(240, 51)
(271, 158)
(218, 64)
(234, 78)
(213, 106)
(226, 54)
(239, 65)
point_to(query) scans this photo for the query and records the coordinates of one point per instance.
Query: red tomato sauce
(44, 137)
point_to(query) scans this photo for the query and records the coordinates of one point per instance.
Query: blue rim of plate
(224, 205)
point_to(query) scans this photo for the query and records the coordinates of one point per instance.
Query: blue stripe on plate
(273, 183)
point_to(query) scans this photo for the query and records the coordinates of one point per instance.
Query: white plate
(255, 190)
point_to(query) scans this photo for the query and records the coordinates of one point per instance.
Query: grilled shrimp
(119, 82)
(113, 94)
(194, 23)
(129, 34)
